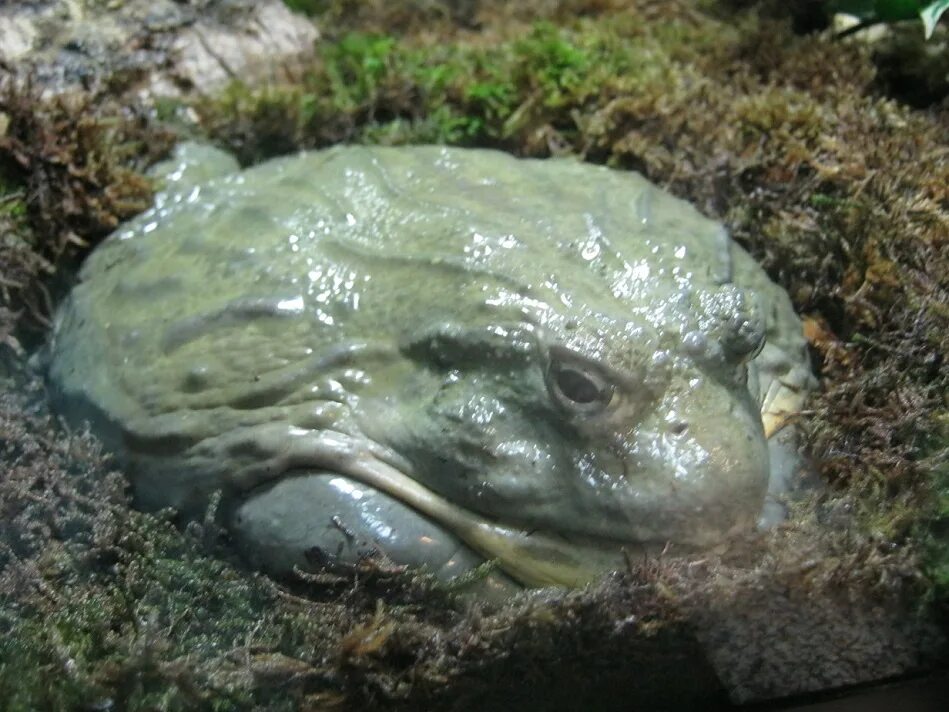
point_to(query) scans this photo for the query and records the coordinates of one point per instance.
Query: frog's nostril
(679, 429)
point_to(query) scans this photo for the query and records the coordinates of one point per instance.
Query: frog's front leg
(313, 518)
(784, 380)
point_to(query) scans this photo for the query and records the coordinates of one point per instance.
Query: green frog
(441, 355)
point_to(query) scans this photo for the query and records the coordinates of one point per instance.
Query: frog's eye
(578, 387)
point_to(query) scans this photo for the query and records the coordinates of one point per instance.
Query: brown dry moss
(840, 191)
(73, 164)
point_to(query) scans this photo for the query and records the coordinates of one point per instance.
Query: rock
(157, 48)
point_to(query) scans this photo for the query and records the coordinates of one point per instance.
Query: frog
(444, 357)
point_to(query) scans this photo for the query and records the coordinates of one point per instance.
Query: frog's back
(363, 238)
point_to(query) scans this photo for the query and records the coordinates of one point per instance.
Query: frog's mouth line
(533, 558)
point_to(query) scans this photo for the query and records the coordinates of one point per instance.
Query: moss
(935, 532)
(307, 7)
(451, 93)
(837, 189)
(69, 167)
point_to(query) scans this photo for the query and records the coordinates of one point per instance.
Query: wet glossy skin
(445, 355)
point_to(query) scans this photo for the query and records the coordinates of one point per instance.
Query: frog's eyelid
(618, 379)
(580, 373)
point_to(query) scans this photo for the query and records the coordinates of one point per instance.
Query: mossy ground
(839, 190)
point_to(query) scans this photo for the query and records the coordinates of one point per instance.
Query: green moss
(453, 93)
(26, 669)
(355, 68)
(12, 198)
(119, 630)
(307, 7)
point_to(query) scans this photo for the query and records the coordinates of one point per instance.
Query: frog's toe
(782, 403)
(783, 399)
(784, 388)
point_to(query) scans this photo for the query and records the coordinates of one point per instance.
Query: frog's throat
(533, 558)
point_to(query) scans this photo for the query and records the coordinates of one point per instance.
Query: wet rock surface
(157, 48)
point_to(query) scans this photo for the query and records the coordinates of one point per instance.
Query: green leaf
(931, 14)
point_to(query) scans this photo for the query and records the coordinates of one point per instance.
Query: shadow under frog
(446, 355)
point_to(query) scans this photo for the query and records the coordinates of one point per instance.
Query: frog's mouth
(533, 558)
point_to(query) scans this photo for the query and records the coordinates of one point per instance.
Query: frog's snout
(719, 460)
(694, 471)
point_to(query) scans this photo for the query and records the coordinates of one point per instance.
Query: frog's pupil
(577, 386)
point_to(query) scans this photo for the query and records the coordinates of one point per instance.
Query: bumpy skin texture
(445, 354)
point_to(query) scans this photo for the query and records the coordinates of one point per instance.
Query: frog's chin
(532, 558)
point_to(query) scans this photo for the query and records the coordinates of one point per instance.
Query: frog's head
(635, 430)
